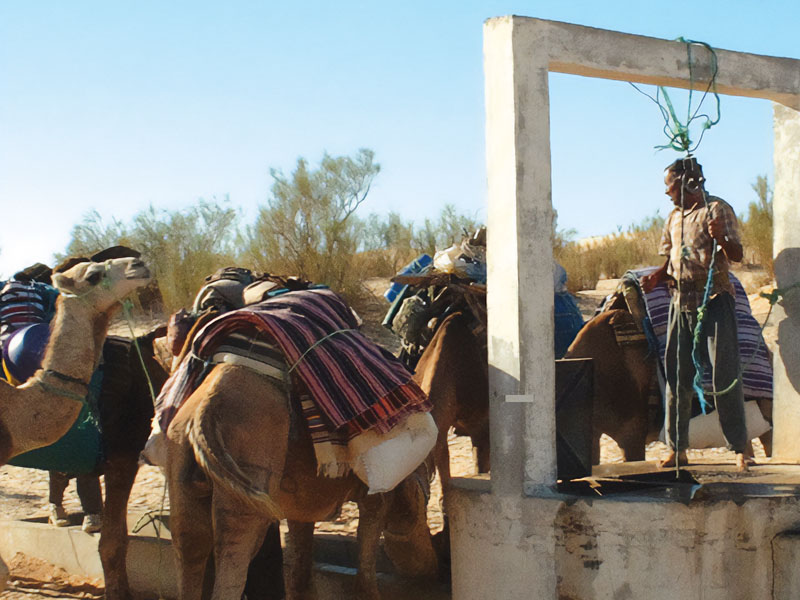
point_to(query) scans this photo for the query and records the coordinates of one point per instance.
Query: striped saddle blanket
(754, 355)
(344, 383)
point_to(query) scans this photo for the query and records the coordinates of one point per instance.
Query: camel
(126, 410)
(222, 499)
(40, 411)
(453, 372)
(43, 409)
(624, 375)
(237, 460)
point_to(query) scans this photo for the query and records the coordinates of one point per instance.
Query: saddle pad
(355, 384)
(754, 355)
(78, 451)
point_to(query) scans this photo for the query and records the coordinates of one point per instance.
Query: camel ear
(62, 281)
(69, 263)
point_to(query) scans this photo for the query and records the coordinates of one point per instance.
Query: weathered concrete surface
(152, 566)
(151, 562)
(521, 340)
(785, 574)
(604, 548)
(786, 251)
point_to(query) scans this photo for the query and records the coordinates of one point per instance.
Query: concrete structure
(152, 563)
(517, 537)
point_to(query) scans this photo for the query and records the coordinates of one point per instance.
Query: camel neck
(75, 339)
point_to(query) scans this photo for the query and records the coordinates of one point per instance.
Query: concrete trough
(152, 561)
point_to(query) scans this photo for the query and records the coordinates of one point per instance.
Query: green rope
(678, 134)
(127, 305)
(775, 295)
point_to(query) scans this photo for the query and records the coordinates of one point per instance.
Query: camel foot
(669, 461)
(92, 522)
(744, 462)
(57, 516)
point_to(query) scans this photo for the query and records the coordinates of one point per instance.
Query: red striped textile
(353, 381)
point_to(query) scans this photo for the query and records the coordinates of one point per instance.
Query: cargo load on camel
(428, 290)
(358, 401)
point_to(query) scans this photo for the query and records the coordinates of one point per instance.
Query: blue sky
(116, 105)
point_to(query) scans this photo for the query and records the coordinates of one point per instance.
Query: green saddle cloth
(80, 450)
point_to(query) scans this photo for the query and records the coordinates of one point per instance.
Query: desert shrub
(757, 229)
(180, 247)
(449, 228)
(308, 227)
(610, 256)
(386, 245)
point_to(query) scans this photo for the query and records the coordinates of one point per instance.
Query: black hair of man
(687, 165)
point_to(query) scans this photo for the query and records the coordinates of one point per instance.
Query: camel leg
(299, 558)
(766, 441)
(120, 473)
(765, 406)
(237, 537)
(265, 574)
(633, 440)
(441, 457)
(371, 522)
(190, 522)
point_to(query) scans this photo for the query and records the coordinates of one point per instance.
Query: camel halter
(51, 389)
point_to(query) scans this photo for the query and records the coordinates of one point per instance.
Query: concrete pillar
(520, 288)
(786, 251)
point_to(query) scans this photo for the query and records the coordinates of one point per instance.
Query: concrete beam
(590, 52)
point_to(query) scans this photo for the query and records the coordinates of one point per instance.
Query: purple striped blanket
(754, 355)
(353, 382)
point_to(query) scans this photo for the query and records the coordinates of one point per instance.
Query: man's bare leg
(669, 461)
(744, 461)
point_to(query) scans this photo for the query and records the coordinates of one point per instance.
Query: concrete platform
(152, 564)
(633, 531)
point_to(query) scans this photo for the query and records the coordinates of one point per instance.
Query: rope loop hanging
(678, 133)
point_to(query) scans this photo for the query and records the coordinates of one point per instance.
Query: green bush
(757, 228)
(180, 247)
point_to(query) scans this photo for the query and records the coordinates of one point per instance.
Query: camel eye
(94, 278)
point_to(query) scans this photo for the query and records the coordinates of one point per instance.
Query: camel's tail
(216, 461)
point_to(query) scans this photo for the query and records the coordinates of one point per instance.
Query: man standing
(701, 234)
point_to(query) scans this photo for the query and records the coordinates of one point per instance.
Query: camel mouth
(137, 270)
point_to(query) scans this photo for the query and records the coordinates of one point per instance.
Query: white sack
(384, 460)
(706, 432)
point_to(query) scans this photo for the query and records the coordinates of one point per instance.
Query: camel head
(104, 280)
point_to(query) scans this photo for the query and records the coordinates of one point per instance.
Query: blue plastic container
(418, 265)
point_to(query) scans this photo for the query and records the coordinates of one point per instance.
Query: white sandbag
(155, 450)
(384, 460)
(706, 432)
